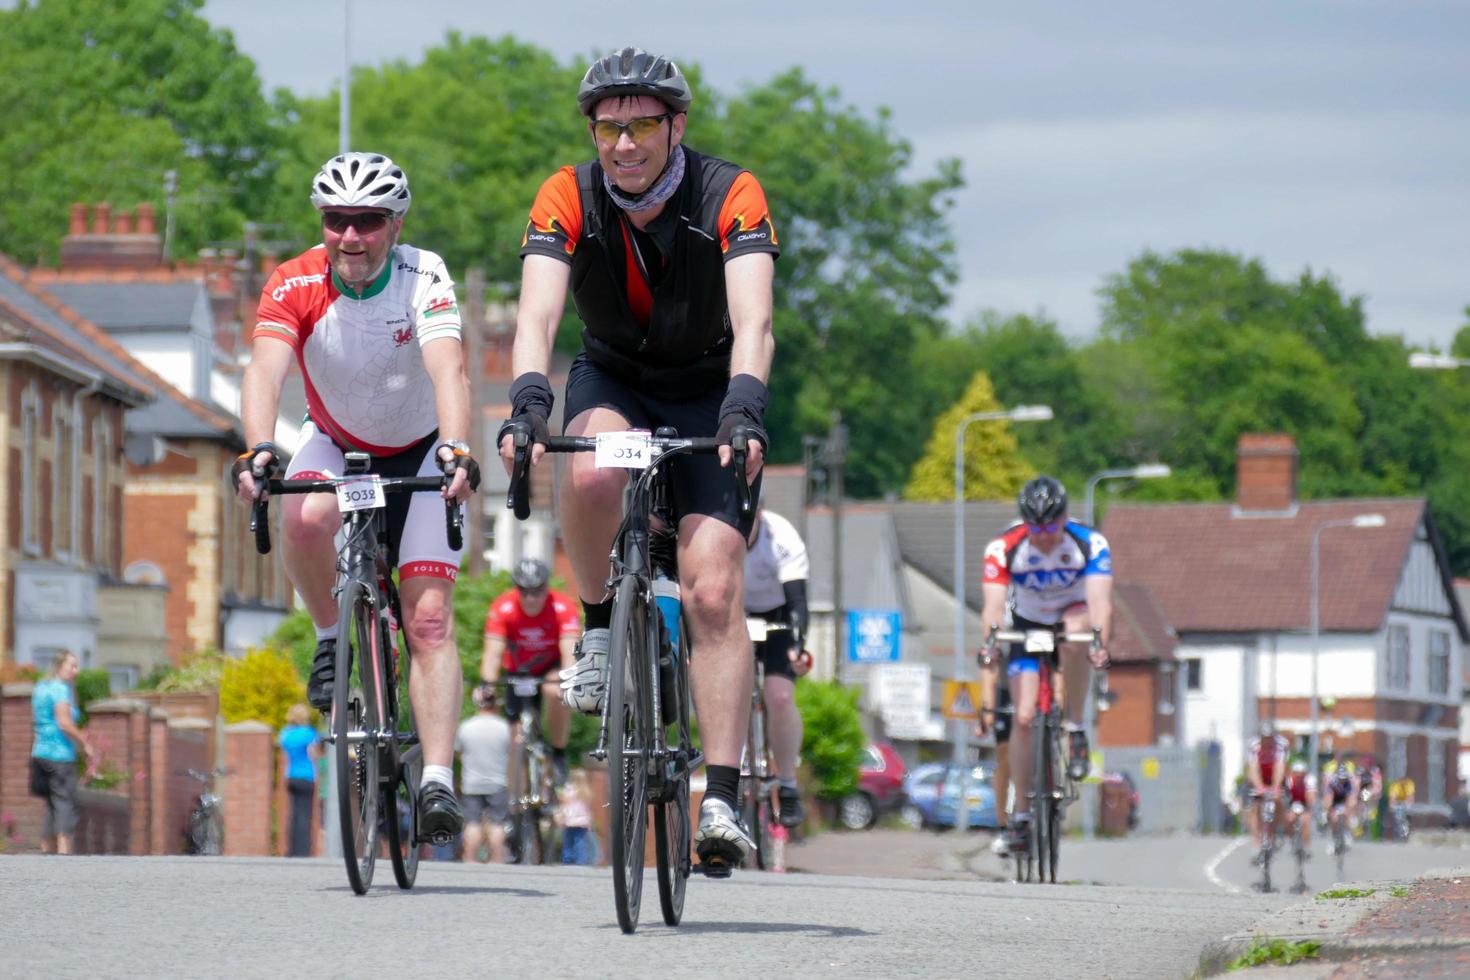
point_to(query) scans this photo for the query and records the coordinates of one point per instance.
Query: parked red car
(880, 788)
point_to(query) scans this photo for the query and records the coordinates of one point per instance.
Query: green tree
(993, 468)
(98, 99)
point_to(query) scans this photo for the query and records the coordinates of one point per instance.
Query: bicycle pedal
(715, 868)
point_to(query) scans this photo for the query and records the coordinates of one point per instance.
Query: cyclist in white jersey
(776, 570)
(375, 328)
(1052, 570)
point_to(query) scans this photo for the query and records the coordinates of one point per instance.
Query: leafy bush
(260, 687)
(93, 684)
(13, 673)
(200, 672)
(108, 776)
(833, 740)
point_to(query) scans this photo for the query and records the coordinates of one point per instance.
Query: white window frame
(30, 469)
(65, 434)
(1397, 764)
(1438, 674)
(1195, 666)
(1398, 679)
(101, 453)
(1434, 759)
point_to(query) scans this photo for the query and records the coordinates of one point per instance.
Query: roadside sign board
(962, 700)
(874, 636)
(900, 692)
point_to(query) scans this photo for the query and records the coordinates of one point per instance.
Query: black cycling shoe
(1020, 836)
(793, 814)
(440, 818)
(1078, 764)
(323, 669)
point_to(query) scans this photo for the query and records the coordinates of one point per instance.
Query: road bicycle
(533, 799)
(206, 828)
(1267, 805)
(757, 767)
(1052, 787)
(1299, 848)
(377, 759)
(645, 734)
(1341, 835)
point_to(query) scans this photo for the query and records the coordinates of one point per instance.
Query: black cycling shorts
(515, 702)
(776, 649)
(700, 484)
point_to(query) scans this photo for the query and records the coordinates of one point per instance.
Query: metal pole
(957, 671)
(837, 459)
(1316, 642)
(344, 120)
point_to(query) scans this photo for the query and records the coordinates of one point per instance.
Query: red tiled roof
(1216, 571)
(1140, 630)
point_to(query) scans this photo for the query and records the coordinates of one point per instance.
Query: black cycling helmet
(530, 573)
(1042, 500)
(633, 71)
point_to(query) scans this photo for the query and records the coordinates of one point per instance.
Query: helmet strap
(660, 191)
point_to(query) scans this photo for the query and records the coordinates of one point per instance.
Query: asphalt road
(238, 917)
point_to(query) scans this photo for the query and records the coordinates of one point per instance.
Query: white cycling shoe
(720, 841)
(584, 685)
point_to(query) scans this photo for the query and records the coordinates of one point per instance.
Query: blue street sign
(874, 635)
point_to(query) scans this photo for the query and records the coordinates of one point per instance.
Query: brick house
(64, 391)
(185, 324)
(1234, 579)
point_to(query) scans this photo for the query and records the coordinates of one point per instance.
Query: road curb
(1327, 922)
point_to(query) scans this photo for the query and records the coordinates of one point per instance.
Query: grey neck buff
(661, 191)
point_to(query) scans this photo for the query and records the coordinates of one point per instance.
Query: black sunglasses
(637, 129)
(366, 223)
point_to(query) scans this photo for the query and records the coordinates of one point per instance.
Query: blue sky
(1333, 134)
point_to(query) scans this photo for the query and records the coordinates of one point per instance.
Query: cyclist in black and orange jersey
(669, 256)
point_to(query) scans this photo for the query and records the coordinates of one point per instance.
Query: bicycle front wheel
(355, 730)
(671, 815)
(1041, 798)
(629, 738)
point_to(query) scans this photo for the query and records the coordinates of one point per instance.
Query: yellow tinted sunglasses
(637, 129)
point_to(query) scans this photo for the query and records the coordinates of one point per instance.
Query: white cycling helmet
(361, 180)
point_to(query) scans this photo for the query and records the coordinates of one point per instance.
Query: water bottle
(666, 594)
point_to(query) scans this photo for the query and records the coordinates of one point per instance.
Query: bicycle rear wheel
(1055, 797)
(629, 735)
(401, 819)
(354, 729)
(1041, 797)
(671, 816)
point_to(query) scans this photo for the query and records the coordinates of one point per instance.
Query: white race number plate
(1040, 643)
(365, 493)
(758, 628)
(525, 689)
(623, 450)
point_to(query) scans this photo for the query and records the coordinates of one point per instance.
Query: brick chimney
(1265, 472)
(111, 241)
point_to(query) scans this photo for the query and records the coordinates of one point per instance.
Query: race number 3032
(364, 493)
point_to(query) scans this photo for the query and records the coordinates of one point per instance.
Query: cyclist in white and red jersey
(1051, 570)
(1301, 798)
(1266, 772)
(374, 325)
(533, 629)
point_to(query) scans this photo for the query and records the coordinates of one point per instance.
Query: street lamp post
(1361, 520)
(1021, 413)
(1146, 471)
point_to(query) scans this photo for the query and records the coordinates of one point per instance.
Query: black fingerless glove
(461, 461)
(246, 461)
(531, 399)
(744, 405)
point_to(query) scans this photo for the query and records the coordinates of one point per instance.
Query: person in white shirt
(483, 744)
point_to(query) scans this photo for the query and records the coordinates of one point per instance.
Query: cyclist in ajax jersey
(374, 326)
(1051, 570)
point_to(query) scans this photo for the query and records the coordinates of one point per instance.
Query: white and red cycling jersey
(1044, 585)
(1298, 785)
(366, 385)
(532, 643)
(1269, 753)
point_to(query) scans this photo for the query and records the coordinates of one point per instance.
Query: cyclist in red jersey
(1266, 771)
(1301, 795)
(533, 630)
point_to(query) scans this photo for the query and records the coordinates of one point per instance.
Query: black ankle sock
(722, 783)
(597, 615)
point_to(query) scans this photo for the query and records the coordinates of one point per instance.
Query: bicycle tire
(355, 710)
(1054, 804)
(404, 851)
(1040, 796)
(671, 819)
(629, 736)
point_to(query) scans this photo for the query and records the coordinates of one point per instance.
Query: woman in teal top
(299, 742)
(54, 716)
